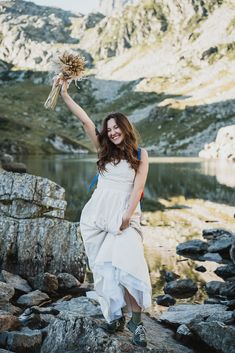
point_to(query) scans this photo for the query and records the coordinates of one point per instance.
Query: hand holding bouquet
(68, 68)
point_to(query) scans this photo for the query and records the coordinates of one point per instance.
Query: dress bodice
(119, 176)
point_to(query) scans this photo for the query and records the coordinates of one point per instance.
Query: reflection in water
(168, 177)
(223, 170)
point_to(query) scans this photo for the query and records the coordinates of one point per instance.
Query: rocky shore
(43, 284)
(223, 147)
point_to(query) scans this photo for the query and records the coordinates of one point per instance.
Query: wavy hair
(127, 149)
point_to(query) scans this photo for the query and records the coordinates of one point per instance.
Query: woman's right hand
(64, 87)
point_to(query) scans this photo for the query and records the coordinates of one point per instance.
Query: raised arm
(139, 183)
(76, 110)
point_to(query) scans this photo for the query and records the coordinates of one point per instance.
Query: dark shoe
(139, 336)
(114, 326)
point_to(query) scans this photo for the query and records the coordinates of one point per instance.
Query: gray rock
(211, 257)
(5, 351)
(165, 300)
(67, 281)
(212, 301)
(217, 335)
(6, 293)
(228, 290)
(41, 245)
(11, 309)
(29, 196)
(213, 287)
(46, 282)
(33, 298)
(200, 268)
(16, 282)
(23, 341)
(194, 246)
(182, 288)
(183, 334)
(232, 253)
(186, 313)
(222, 244)
(169, 275)
(215, 234)
(225, 271)
(81, 307)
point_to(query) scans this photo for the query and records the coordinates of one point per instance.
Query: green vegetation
(27, 124)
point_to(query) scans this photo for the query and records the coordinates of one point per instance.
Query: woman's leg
(135, 325)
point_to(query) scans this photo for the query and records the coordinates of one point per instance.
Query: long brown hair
(127, 149)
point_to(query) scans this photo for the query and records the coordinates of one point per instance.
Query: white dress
(115, 257)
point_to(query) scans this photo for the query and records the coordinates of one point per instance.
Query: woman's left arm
(138, 188)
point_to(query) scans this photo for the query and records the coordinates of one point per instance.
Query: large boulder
(30, 196)
(34, 238)
(216, 335)
(223, 147)
(188, 313)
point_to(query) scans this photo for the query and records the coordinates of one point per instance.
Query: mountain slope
(164, 63)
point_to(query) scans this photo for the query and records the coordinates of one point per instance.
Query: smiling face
(115, 134)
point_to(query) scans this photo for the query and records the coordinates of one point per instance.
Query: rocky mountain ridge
(160, 62)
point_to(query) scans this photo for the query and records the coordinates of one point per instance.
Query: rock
(15, 167)
(195, 246)
(184, 334)
(29, 196)
(200, 268)
(38, 317)
(22, 341)
(231, 304)
(46, 282)
(215, 234)
(216, 335)
(8, 322)
(211, 257)
(169, 275)
(232, 253)
(222, 244)
(182, 288)
(186, 313)
(212, 301)
(43, 245)
(6, 293)
(16, 282)
(224, 289)
(228, 290)
(34, 298)
(165, 300)
(224, 145)
(225, 271)
(10, 309)
(5, 351)
(213, 288)
(81, 307)
(67, 281)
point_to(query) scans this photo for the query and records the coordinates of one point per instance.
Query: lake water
(168, 177)
(190, 178)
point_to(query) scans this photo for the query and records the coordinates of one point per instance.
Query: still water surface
(168, 177)
(192, 178)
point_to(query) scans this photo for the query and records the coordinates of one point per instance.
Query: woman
(110, 222)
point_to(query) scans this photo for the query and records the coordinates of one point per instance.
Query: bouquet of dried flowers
(68, 67)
